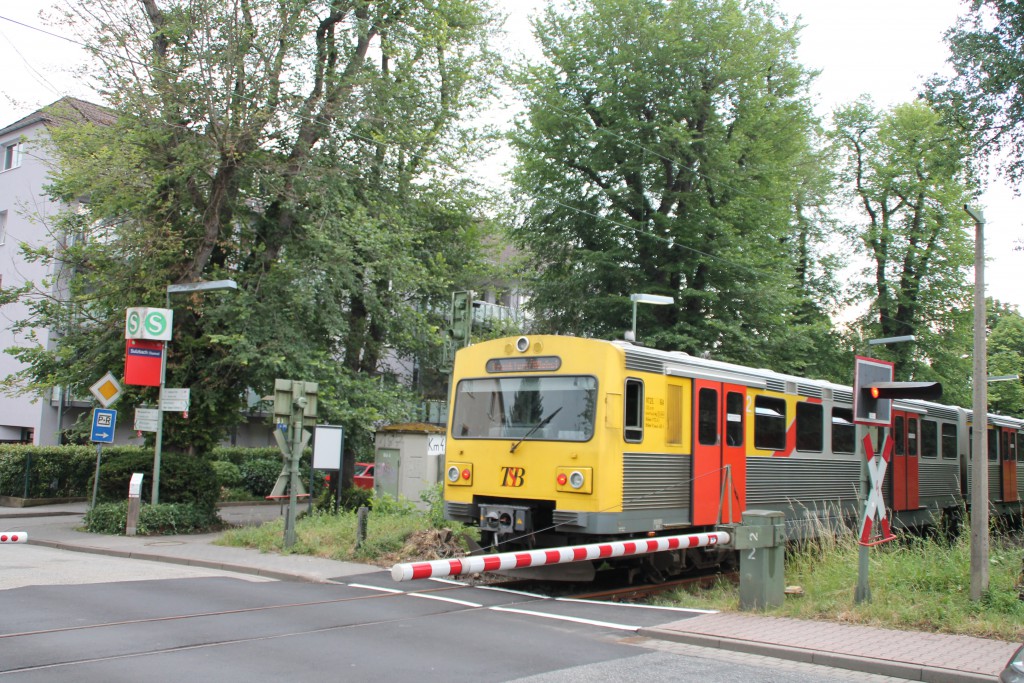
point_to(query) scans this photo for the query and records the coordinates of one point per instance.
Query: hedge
(67, 471)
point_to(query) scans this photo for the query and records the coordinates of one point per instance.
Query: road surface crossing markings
(376, 588)
(454, 601)
(658, 607)
(559, 617)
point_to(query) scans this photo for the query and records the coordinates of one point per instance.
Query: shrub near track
(920, 584)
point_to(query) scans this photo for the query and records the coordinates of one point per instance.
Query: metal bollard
(361, 516)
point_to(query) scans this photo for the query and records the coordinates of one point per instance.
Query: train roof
(641, 358)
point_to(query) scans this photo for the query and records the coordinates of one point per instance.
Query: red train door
(905, 465)
(1009, 464)
(718, 434)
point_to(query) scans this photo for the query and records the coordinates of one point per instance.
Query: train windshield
(535, 408)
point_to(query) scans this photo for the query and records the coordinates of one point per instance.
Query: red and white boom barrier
(538, 558)
(13, 537)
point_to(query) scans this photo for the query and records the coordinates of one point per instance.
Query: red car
(363, 478)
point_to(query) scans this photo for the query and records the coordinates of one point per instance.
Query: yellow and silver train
(554, 441)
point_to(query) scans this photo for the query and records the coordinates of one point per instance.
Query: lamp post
(655, 299)
(979, 470)
(201, 286)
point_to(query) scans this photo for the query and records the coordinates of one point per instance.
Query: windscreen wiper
(534, 428)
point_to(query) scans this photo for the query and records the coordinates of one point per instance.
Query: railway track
(643, 592)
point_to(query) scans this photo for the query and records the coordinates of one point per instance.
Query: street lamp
(892, 340)
(185, 288)
(655, 299)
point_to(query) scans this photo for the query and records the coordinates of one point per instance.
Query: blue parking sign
(103, 422)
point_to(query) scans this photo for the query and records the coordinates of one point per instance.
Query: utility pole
(979, 464)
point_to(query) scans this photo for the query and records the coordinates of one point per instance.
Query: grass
(395, 532)
(920, 584)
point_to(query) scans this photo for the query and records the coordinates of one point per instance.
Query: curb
(835, 660)
(204, 564)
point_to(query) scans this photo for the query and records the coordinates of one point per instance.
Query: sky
(883, 48)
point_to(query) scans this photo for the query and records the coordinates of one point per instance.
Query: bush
(259, 475)
(183, 478)
(229, 476)
(165, 518)
(54, 471)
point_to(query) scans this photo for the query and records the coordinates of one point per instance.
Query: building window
(810, 432)
(12, 155)
(633, 427)
(769, 423)
(3, 227)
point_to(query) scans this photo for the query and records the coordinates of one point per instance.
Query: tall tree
(300, 147)
(666, 147)
(1006, 358)
(905, 176)
(986, 96)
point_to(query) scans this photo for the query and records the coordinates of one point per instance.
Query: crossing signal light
(923, 391)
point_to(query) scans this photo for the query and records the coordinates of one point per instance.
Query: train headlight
(574, 479)
(459, 474)
(522, 345)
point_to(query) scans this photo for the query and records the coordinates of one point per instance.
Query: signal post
(294, 408)
(873, 393)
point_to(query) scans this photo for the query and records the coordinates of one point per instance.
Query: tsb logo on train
(513, 476)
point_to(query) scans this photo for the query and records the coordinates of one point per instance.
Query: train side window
(929, 439)
(993, 445)
(810, 432)
(734, 418)
(912, 436)
(707, 417)
(769, 423)
(633, 426)
(1005, 445)
(949, 441)
(844, 432)
(899, 434)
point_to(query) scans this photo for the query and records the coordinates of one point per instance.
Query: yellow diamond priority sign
(106, 390)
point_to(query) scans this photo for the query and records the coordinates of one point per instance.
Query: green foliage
(55, 471)
(385, 504)
(354, 498)
(260, 474)
(434, 498)
(1006, 357)
(670, 148)
(165, 518)
(229, 475)
(904, 171)
(984, 97)
(183, 478)
(356, 237)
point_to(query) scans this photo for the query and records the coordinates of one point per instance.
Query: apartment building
(26, 215)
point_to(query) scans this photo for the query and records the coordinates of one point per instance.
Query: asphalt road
(83, 618)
